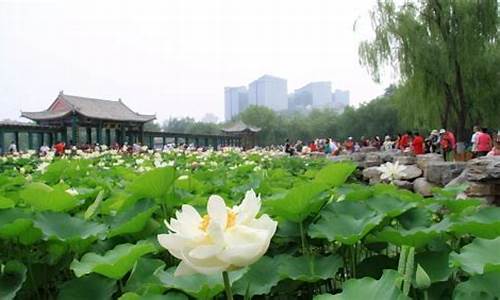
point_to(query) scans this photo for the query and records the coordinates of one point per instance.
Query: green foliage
(478, 257)
(333, 237)
(444, 52)
(370, 289)
(90, 287)
(12, 277)
(309, 269)
(114, 263)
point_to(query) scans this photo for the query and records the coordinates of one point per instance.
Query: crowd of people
(443, 141)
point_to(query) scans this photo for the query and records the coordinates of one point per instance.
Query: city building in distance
(272, 92)
(235, 101)
(340, 99)
(313, 95)
(269, 91)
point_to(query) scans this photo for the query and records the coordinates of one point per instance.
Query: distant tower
(235, 101)
(269, 91)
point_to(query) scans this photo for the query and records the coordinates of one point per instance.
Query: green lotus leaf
(63, 227)
(479, 257)
(389, 206)
(198, 286)
(415, 218)
(43, 197)
(309, 269)
(374, 266)
(335, 174)
(92, 209)
(132, 219)
(370, 289)
(299, 202)
(12, 277)
(169, 296)
(416, 237)
(435, 264)
(117, 201)
(485, 223)
(6, 202)
(259, 279)
(13, 221)
(345, 221)
(114, 263)
(153, 184)
(90, 287)
(143, 279)
(484, 287)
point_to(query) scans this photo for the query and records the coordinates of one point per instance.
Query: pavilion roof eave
(49, 115)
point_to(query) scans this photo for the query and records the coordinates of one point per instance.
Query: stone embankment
(424, 172)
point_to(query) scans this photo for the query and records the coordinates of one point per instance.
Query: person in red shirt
(59, 147)
(484, 143)
(312, 146)
(447, 142)
(496, 150)
(418, 144)
(404, 142)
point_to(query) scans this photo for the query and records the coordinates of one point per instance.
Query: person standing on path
(484, 143)
(418, 144)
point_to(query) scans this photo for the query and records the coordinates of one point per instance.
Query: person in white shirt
(12, 147)
(473, 139)
(44, 149)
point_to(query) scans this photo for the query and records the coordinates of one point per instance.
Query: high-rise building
(340, 99)
(235, 101)
(314, 94)
(269, 91)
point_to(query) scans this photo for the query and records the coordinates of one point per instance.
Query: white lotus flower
(42, 168)
(224, 239)
(391, 171)
(72, 191)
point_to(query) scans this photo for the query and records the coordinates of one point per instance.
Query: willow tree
(447, 56)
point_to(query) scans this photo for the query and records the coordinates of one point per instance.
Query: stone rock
(340, 158)
(442, 172)
(403, 184)
(424, 159)
(461, 179)
(483, 169)
(411, 172)
(405, 160)
(423, 187)
(479, 189)
(358, 156)
(368, 149)
(372, 160)
(388, 156)
(372, 174)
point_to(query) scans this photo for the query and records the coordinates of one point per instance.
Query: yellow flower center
(231, 221)
(204, 223)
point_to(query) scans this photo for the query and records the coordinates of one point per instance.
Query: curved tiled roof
(90, 108)
(240, 127)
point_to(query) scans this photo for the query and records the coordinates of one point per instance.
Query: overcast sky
(174, 57)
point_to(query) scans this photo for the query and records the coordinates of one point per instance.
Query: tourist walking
(448, 143)
(12, 147)
(473, 140)
(418, 144)
(483, 143)
(496, 149)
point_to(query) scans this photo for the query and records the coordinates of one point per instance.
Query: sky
(174, 58)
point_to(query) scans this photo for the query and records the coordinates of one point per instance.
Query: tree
(447, 55)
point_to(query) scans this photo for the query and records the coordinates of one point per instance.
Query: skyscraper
(315, 94)
(235, 101)
(341, 99)
(269, 91)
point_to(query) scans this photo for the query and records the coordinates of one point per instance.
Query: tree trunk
(462, 105)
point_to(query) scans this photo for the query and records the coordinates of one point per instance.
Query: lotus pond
(86, 226)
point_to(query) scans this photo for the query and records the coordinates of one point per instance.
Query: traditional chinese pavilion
(245, 133)
(80, 120)
(96, 116)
